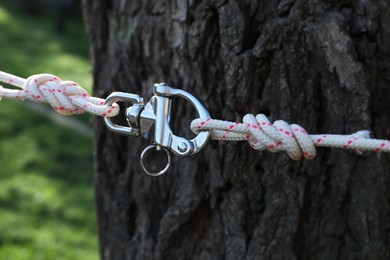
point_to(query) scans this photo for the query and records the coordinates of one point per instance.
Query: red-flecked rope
(281, 136)
(66, 97)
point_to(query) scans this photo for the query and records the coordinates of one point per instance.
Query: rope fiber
(280, 136)
(68, 98)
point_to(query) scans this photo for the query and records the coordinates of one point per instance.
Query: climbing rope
(68, 98)
(281, 136)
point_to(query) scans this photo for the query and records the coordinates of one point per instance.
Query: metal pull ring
(157, 148)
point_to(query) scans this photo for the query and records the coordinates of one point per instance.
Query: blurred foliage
(29, 45)
(46, 195)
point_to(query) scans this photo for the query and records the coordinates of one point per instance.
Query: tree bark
(321, 64)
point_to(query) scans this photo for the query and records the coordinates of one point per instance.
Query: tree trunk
(321, 64)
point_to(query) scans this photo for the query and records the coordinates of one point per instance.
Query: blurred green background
(46, 194)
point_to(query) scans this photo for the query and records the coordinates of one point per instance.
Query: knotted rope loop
(66, 97)
(281, 136)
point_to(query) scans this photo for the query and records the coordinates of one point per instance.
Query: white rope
(280, 136)
(66, 97)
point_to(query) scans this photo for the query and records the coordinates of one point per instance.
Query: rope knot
(66, 97)
(261, 134)
(279, 136)
(59, 94)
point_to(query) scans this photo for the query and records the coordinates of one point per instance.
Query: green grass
(46, 195)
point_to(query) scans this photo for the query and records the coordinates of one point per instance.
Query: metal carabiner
(160, 107)
(152, 121)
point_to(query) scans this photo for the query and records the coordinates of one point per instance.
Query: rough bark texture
(323, 64)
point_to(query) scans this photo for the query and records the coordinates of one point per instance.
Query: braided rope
(281, 136)
(66, 97)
